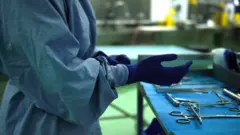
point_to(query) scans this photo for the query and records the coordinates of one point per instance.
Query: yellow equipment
(170, 18)
(237, 19)
(193, 2)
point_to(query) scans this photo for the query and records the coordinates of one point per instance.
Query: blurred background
(199, 25)
(189, 23)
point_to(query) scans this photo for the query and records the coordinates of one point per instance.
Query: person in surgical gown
(59, 84)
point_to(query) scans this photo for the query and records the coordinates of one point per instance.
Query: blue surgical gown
(56, 86)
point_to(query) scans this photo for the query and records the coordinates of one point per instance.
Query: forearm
(117, 74)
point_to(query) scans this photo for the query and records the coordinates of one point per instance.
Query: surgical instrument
(178, 101)
(195, 113)
(197, 106)
(187, 100)
(186, 118)
(196, 83)
(222, 99)
(172, 100)
(179, 90)
(231, 95)
(235, 109)
(214, 104)
(186, 79)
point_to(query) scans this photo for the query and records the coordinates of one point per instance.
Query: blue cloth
(150, 70)
(56, 87)
(162, 107)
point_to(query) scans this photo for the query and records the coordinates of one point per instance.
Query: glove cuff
(132, 69)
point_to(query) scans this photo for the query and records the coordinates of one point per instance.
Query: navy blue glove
(115, 59)
(119, 59)
(150, 70)
(154, 128)
(231, 59)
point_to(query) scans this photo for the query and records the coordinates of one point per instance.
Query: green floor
(120, 117)
(3, 82)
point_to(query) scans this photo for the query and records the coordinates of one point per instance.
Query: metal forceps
(235, 109)
(184, 120)
(222, 99)
(196, 114)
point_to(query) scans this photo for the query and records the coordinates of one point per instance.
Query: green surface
(3, 81)
(2, 87)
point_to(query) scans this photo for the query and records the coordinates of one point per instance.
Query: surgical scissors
(186, 118)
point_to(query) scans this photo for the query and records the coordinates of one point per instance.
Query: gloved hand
(231, 59)
(150, 70)
(115, 59)
(119, 59)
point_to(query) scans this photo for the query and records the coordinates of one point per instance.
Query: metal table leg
(139, 113)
